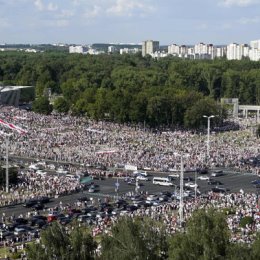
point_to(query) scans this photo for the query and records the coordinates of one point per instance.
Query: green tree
(61, 105)
(258, 131)
(239, 251)
(13, 172)
(135, 239)
(206, 106)
(206, 238)
(42, 105)
(57, 244)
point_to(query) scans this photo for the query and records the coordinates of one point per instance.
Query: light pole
(181, 188)
(6, 160)
(208, 117)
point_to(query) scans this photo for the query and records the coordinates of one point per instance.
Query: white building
(149, 47)
(174, 49)
(129, 50)
(75, 49)
(159, 54)
(111, 49)
(237, 51)
(255, 44)
(254, 54)
(92, 51)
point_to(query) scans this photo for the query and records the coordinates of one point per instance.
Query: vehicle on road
(217, 173)
(214, 182)
(219, 190)
(164, 181)
(191, 185)
(173, 176)
(203, 178)
(256, 182)
(142, 178)
(138, 173)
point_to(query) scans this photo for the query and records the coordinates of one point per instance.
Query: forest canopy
(132, 88)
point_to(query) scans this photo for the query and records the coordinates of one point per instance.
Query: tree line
(132, 88)
(206, 237)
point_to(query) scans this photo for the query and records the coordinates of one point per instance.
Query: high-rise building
(76, 49)
(255, 44)
(237, 51)
(149, 47)
(174, 49)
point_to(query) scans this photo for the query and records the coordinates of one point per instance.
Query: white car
(203, 178)
(191, 185)
(34, 167)
(143, 173)
(41, 172)
(61, 171)
(142, 178)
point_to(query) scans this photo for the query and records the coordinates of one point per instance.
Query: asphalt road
(231, 180)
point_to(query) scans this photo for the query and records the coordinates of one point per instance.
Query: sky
(129, 21)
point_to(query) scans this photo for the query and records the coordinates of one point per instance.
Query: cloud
(251, 20)
(48, 7)
(94, 12)
(55, 23)
(66, 13)
(202, 26)
(4, 23)
(241, 3)
(130, 7)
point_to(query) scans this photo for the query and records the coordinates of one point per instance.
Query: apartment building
(149, 47)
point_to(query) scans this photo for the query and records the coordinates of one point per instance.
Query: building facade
(149, 47)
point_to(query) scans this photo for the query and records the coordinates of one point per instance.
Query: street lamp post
(7, 136)
(208, 117)
(7, 165)
(181, 206)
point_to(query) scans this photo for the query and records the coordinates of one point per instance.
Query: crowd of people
(67, 139)
(78, 140)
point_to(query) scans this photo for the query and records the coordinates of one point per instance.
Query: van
(217, 173)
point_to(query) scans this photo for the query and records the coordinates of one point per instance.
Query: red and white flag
(13, 127)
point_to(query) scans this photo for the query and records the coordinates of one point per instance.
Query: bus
(164, 181)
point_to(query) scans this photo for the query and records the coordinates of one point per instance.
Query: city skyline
(129, 21)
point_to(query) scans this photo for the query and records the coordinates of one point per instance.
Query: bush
(246, 221)
(229, 211)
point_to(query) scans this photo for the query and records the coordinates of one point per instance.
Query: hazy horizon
(219, 22)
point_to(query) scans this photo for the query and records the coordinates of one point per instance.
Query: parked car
(191, 184)
(30, 203)
(142, 178)
(214, 182)
(217, 173)
(204, 178)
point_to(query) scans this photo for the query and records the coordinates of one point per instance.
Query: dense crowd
(67, 139)
(235, 205)
(72, 139)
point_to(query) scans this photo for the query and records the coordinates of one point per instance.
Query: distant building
(149, 47)
(77, 49)
(255, 44)
(92, 51)
(13, 95)
(254, 54)
(111, 49)
(174, 49)
(129, 50)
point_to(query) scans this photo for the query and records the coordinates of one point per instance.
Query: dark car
(219, 190)
(38, 206)
(188, 179)
(44, 199)
(202, 170)
(20, 221)
(256, 182)
(30, 203)
(214, 182)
